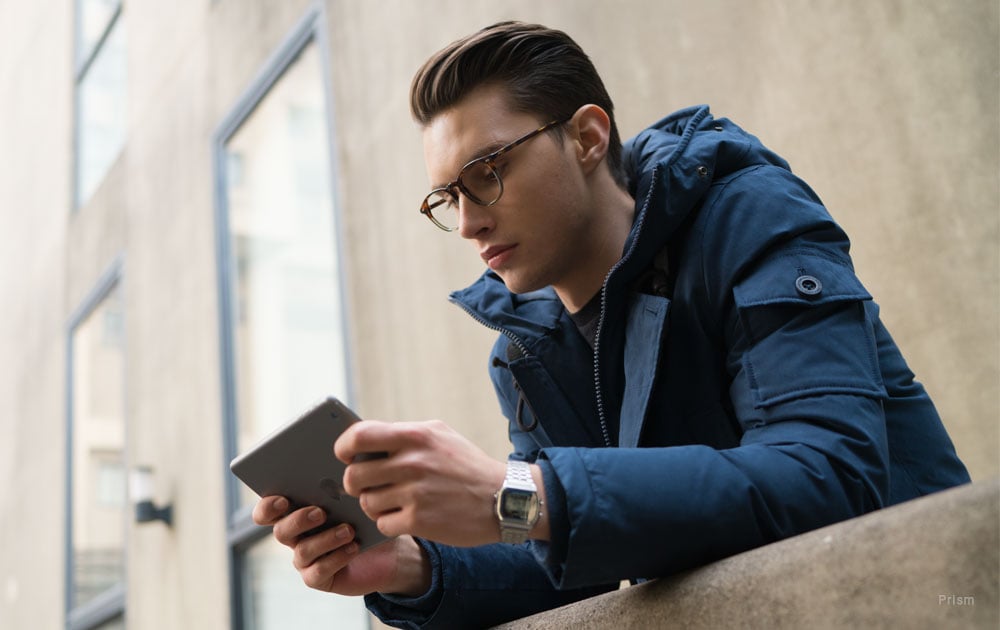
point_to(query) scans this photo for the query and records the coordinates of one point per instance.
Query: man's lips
(497, 255)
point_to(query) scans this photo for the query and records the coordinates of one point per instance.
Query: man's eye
(483, 174)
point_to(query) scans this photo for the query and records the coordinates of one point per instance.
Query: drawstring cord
(513, 352)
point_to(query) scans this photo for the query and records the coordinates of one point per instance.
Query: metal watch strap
(519, 476)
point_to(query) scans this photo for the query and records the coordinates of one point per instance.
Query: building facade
(208, 220)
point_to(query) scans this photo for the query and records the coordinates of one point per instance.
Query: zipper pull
(514, 353)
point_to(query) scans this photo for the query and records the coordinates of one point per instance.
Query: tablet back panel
(297, 461)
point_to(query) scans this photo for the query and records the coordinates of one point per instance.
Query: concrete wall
(930, 563)
(35, 161)
(888, 109)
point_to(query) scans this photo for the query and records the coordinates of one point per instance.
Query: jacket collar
(670, 165)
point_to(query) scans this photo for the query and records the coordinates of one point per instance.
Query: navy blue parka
(755, 396)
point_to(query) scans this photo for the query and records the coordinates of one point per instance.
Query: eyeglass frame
(488, 159)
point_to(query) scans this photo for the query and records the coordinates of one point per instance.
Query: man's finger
(269, 510)
(375, 436)
(288, 530)
(310, 549)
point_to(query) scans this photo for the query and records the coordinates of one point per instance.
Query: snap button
(702, 171)
(808, 285)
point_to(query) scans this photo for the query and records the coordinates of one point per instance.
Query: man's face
(532, 236)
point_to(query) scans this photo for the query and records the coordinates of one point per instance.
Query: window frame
(111, 603)
(241, 532)
(81, 67)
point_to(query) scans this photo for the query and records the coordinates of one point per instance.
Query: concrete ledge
(929, 563)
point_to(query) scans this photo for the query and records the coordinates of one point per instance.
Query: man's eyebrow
(485, 150)
(480, 152)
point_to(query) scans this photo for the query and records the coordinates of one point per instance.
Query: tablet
(297, 462)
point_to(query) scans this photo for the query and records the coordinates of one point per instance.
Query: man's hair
(544, 71)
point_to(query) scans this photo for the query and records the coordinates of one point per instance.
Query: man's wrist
(519, 504)
(413, 569)
(541, 529)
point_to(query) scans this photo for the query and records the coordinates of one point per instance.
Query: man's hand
(329, 560)
(434, 484)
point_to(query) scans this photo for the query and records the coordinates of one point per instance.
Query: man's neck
(604, 249)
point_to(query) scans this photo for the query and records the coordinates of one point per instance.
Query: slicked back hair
(544, 71)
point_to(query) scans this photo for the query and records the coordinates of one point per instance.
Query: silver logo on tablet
(331, 487)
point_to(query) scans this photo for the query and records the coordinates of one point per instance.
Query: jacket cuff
(551, 555)
(411, 612)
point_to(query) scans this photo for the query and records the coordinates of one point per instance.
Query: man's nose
(473, 219)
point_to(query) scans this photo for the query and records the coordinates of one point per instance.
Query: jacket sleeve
(476, 587)
(485, 586)
(776, 282)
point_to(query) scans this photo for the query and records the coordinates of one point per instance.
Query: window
(282, 328)
(96, 491)
(101, 68)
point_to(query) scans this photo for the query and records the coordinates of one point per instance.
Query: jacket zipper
(514, 339)
(601, 415)
(500, 329)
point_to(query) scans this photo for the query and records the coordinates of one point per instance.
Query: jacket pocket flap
(800, 277)
(805, 330)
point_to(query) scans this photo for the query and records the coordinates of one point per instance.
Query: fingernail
(351, 549)
(343, 532)
(316, 515)
(280, 504)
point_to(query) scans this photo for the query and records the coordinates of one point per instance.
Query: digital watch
(517, 504)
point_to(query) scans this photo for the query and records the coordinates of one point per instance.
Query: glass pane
(93, 17)
(117, 623)
(101, 113)
(287, 311)
(274, 597)
(98, 441)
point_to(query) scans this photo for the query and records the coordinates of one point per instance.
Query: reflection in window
(97, 480)
(285, 319)
(110, 481)
(288, 339)
(101, 92)
(270, 583)
(93, 19)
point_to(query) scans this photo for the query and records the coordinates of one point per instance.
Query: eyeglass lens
(478, 180)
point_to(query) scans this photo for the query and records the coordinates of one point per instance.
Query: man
(688, 363)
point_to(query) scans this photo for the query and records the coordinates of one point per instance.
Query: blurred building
(208, 220)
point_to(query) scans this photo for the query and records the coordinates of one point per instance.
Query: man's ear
(591, 129)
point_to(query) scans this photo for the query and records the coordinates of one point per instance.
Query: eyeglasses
(479, 180)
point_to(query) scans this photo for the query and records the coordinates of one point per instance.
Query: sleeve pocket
(805, 331)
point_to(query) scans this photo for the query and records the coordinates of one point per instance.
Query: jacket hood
(678, 158)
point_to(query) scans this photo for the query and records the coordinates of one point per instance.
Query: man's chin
(518, 285)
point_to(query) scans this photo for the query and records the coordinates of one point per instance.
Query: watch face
(518, 505)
